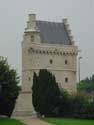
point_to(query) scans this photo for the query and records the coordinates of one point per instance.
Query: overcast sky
(80, 14)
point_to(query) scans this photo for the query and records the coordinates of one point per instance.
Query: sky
(80, 14)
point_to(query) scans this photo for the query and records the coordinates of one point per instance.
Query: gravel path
(31, 121)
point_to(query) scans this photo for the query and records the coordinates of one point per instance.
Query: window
(51, 61)
(29, 79)
(66, 61)
(32, 38)
(66, 79)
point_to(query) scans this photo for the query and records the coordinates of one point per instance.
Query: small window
(29, 79)
(51, 61)
(32, 38)
(66, 79)
(66, 61)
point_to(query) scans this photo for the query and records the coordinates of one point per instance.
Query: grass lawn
(67, 121)
(8, 121)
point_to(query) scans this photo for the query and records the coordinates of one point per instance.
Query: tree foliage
(76, 106)
(48, 100)
(9, 88)
(87, 85)
(45, 92)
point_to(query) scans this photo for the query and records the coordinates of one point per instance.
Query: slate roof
(53, 33)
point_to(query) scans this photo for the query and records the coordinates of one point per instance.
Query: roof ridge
(49, 21)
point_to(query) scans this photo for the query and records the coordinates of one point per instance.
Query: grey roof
(53, 33)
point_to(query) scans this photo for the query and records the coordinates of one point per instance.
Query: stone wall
(60, 60)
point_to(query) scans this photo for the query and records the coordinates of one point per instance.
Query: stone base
(24, 105)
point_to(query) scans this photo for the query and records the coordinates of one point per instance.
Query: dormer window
(32, 38)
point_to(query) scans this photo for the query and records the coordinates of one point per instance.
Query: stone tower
(46, 45)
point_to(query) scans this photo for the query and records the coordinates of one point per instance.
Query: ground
(66, 121)
(49, 121)
(8, 121)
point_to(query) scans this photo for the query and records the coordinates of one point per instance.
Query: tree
(9, 88)
(45, 92)
(87, 85)
(35, 92)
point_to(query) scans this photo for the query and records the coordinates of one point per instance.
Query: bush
(77, 106)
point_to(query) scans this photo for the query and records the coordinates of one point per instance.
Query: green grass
(67, 121)
(8, 121)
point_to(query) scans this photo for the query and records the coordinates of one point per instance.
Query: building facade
(47, 45)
